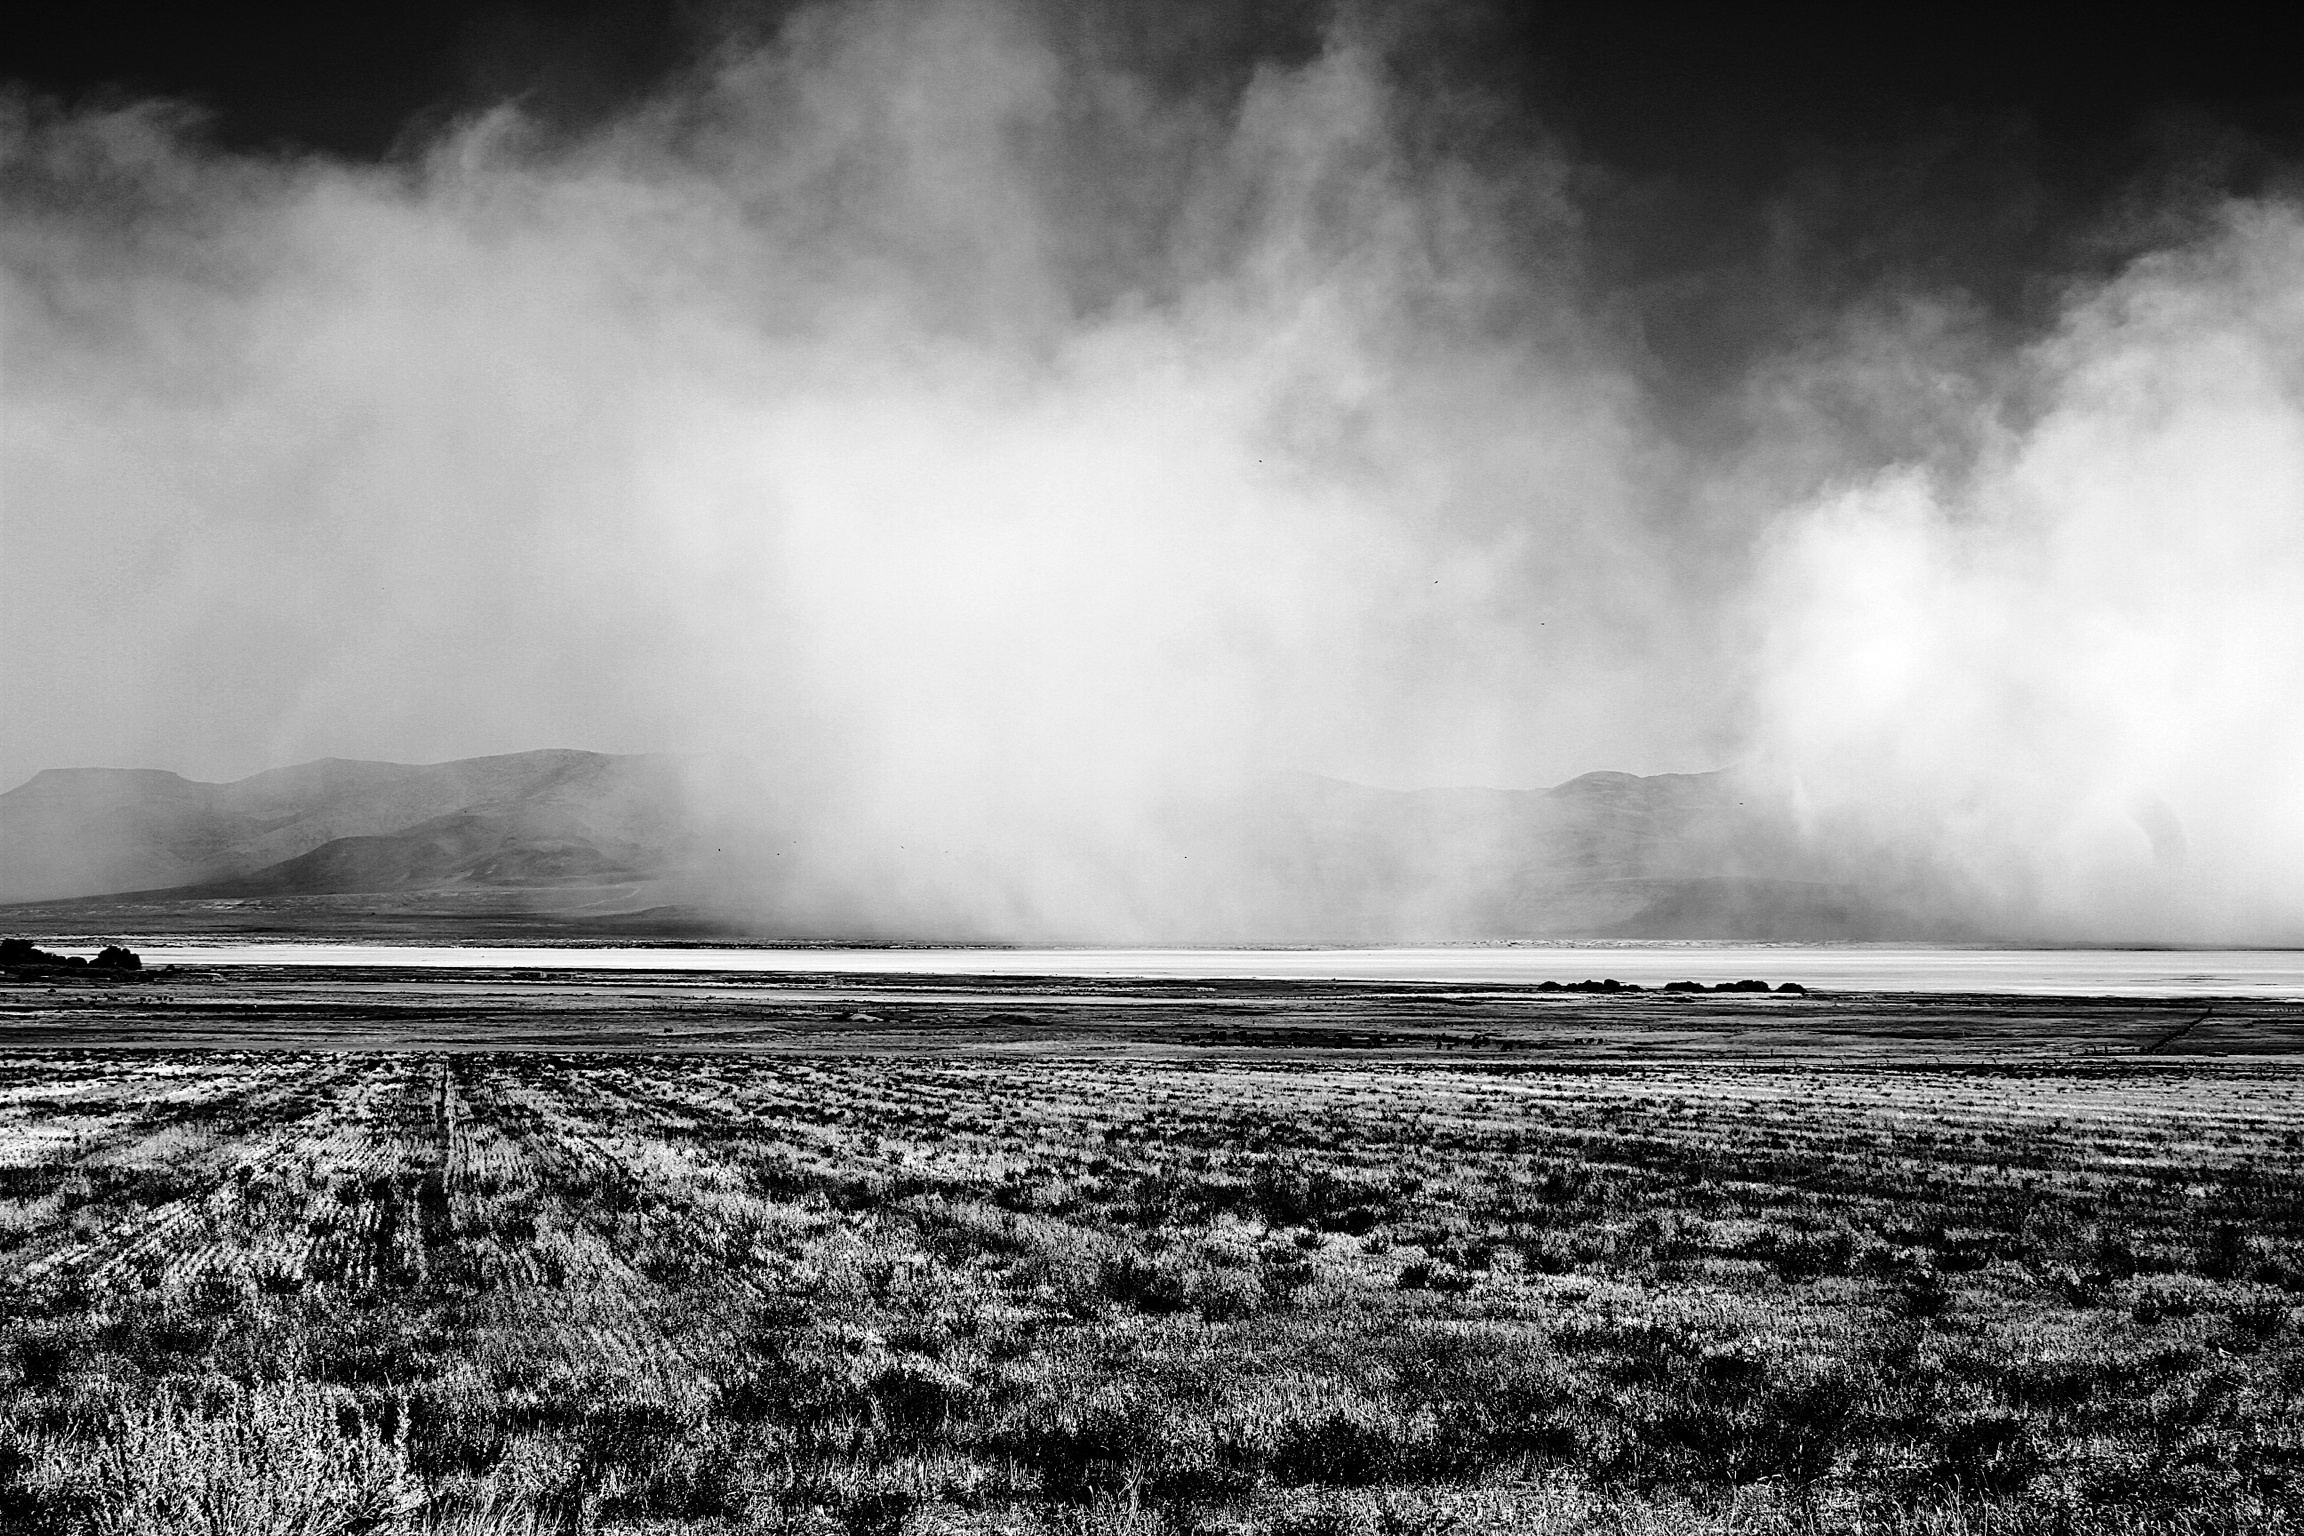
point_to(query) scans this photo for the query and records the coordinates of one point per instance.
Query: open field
(805, 1254)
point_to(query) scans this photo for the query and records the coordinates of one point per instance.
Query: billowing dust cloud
(1010, 457)
(2063, 679)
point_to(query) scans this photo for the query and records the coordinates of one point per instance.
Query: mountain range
(588, 842)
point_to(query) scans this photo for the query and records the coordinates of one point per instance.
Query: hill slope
(1605, 855)
(589, 842)
(523, 817)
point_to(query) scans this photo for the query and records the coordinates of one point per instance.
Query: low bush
(291, 1460)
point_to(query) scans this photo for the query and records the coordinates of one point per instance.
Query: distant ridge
(1603, 855)
(593, 844)
(339, 825)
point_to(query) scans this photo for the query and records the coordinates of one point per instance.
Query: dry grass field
(1140, 1259)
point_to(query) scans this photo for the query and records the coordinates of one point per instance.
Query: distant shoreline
(1917, 970)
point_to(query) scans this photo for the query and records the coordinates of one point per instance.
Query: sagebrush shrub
(286, 1460)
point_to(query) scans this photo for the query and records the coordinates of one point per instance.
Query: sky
(987, 413)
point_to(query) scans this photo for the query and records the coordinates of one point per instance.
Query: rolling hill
(588, 842)
(1604, 855)
(341, 826)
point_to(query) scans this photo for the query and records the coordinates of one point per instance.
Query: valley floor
(714, 1255)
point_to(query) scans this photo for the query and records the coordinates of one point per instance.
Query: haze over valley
(565, 842)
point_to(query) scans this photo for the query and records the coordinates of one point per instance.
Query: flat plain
(418, 1251)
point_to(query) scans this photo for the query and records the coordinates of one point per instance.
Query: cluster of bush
(24, 955)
